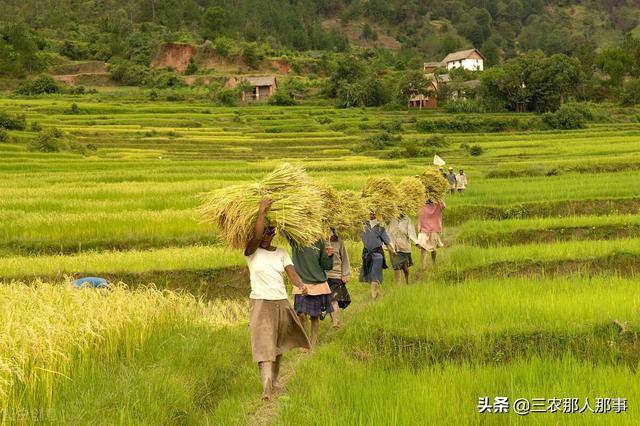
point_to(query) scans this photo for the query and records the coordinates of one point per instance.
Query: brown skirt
(275, 329)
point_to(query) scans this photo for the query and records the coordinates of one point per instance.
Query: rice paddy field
(534, 297)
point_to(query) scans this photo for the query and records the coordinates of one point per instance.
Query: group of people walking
(457, 182)
(319, 275)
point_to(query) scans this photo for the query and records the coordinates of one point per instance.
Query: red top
(430, 218)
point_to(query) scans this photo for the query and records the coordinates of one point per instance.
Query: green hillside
(88, 30)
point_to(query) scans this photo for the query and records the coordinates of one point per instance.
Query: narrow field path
(267, 411)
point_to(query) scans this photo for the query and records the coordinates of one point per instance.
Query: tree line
(501, 29)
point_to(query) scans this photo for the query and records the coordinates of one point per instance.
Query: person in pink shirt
(429, 229)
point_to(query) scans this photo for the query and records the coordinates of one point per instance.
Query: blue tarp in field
(94, 282)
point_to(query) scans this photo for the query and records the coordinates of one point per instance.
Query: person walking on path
(402, 235)
(461, 181)
(274, 326)
(311, 264)
(373, 262)
(429, 229)
(451, 178)
(338, 277)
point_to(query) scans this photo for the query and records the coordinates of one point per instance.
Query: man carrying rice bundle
(338, 277)
(311, 264)
(402, 235)
(429, 229)
(274, 326)
(373, 262)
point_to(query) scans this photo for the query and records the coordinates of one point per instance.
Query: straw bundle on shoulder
(353, 214)
(295, 212)
(342, 211)
(412, 195)
(435, 185)
(381, 196)
(331, 206)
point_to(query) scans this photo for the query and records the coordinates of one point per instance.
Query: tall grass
(51, 331)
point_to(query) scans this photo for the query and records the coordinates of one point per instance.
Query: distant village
(263, 87)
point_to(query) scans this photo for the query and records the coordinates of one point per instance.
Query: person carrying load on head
(373, 261)
(402, 235)
(274, 326)
(429, 229)
(311, 264)
(338, 277)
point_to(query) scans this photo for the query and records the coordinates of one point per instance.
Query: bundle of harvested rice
(295, 212)
(412, 195)
(331, 207)
(348, 224)
(435, 185)
(381, 196)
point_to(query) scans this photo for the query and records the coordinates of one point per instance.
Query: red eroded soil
(281, 65)
(174, 55)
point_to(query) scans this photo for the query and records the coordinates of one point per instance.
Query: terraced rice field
(534, 295)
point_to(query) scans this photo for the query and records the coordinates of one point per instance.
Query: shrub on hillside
(437, 141)
(467, 124)
(53, 140)
(591, 111)
(48, 141)
(74, 50)
(4, 135)
(13, 122)
(377, 142)
(382, 140)
(476, 150)
(631, 93)
(464, 106)
(568, 117)
(282, 98)
(163, 79)
(224, 46)
(192, 68)
(74, 109)
(227, 97)
(41, 85)
(128, 73)
(393, 126)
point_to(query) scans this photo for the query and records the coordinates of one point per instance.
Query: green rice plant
(168, 259)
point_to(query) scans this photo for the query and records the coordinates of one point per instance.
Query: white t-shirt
(265, 270)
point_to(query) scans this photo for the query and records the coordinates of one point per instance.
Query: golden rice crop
(412, 195)
(435, 185)
(352, 215)
(296, 212)
(381, 196)
(48, 330)
(331, 207)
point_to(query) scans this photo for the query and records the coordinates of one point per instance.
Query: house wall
(264, 92)
(468, 64)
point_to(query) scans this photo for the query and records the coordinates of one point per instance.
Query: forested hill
(102, 30)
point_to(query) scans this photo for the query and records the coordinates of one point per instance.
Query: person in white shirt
(461, 181)
(275, 327)
(403, 235)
